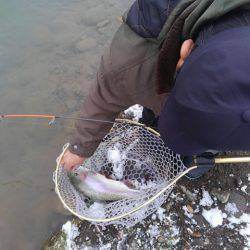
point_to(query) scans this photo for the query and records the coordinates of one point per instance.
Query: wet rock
(190, 209)
(169, 205)
(199, 219)
(134, 245)
(120, 235)
(239, 200)
(55, 242)
(102, 24)
(238, 181)
(161, 239)
(86, 44)
(206, 242)
(248, 189)
(222, 196)
(190, 196)
(195, 234)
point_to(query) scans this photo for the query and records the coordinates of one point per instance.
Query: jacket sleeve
(126, 76)
(106, 99)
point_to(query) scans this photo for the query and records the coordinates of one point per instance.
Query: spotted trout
(97, 187)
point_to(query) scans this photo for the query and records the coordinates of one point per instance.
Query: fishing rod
(51, 117)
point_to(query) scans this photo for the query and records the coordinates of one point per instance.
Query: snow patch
(97, 210)
(175, 231)
(244, 222)
(214, 216)
(153, 217)
(135, 111)
(186, 212)
(154, 231)
(160, 213)
(231, 208)
(115, 157)
(206, 199)
(105, 247)
(71, 232)
(244, 188)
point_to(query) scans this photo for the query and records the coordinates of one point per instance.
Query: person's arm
(113, 91)
(107, 98)
(126, 76)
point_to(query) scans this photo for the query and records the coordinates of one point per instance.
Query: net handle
(138, 124)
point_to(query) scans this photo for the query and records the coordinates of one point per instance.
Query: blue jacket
(147, 17)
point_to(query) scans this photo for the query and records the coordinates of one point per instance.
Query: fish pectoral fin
(128, 183)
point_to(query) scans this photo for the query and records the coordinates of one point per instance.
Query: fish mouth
(82, 175)
(77, 175)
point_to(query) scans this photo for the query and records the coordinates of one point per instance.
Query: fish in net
(129, 152)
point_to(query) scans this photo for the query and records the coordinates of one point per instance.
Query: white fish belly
(97, 190)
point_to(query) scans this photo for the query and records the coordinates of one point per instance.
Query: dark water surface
(49, 54)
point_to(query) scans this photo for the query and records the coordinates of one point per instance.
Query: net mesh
(144, 160)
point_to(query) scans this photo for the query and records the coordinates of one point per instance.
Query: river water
(49, 54)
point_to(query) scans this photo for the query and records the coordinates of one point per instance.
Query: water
(42, 70)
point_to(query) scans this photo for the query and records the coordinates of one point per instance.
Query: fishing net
(129, 152)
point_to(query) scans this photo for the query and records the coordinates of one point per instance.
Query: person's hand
(186, 49)
(70, 160)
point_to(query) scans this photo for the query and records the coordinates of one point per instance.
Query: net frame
(117, 219)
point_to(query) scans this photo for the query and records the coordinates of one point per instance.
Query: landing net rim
(116, 218)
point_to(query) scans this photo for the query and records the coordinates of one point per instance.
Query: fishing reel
(204, 163)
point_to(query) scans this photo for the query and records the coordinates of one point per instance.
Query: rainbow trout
(97, 187)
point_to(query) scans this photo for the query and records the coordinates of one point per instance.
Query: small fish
(97, 187)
